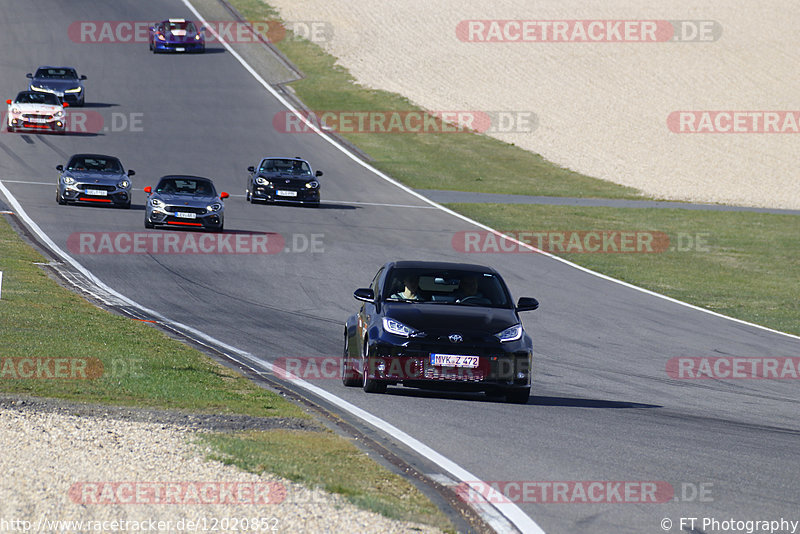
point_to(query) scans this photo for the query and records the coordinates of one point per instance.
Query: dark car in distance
(185, 201)
(94, 179)
(63, 82)
(281, 179)
(439, 325)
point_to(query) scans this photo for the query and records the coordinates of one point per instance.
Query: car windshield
(178, 185)
(459, 287)
(31, 97)
(95, 164)
(179, 27)
(288, 166)
(57, 73)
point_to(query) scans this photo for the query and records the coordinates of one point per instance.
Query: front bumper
(41, 122)
(498, 368)
(285, 194)
(210, 220)
(194, 46)
(90, 194)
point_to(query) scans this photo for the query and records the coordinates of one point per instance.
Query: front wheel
(148, 224)
(61, 200)
(349, 376)
(370, 385)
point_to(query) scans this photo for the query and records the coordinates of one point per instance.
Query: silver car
(94, 179)
(185, 201)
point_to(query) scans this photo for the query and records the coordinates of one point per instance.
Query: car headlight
(216, 206)
(124, 184)
(76, 90)
(39, 88)
(512, 333)
(262, 181)
(397, 328)
(156, 203)
(16, 110)
(69, 180)
(58, 114)
(313, 184)
(197, 37)
(161, 37)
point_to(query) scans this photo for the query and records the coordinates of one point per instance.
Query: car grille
(186, 209)
(36, 116)
(101, 187)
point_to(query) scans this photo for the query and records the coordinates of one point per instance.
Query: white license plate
(97, 192)
(282, 193)
(37, 120)
(180, 49)
(454, 360)
(185, 215)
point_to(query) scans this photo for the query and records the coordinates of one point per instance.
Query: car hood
(197, 201)
(106, 178)
(55, 85)
(475, 320)
(35, 108)
(287, 178)
(181, 36)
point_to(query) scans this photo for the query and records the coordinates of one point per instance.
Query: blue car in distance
(176, 35)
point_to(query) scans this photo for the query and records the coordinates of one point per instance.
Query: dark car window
(290, 166)
(31, 97)
(94, 163)
(469, 288)
(186, 186)
(57, 74)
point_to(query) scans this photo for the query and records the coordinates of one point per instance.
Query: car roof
(55, 67)
(93, 156)
(295, 158)
(443, 265)
(185, 176)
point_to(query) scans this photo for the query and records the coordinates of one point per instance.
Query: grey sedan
(94, 179)
(185, 201)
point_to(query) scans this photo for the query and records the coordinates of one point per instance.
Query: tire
(126, 206)
(247, 196)
(148, 224)
(11, 129)
(518, 396)
(370, 385)
(61, 200)
(349, 377)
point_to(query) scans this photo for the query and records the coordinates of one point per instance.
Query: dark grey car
(63, 82)
(94, 179)
(185, 201)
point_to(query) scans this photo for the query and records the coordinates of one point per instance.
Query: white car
(32, 110)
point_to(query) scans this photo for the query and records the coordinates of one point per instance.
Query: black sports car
(94, 179)
(283, 180)
(438, 325)
(185, 201)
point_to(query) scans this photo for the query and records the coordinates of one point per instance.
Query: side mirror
(83, 76)
(59, 167)
(223, 195)
(29, 75)
(318, 173)
(527, 304)
(148, 189)
(251, 169)
(65, 104)
(364, 294)
(8, 101)
(131, 172)
(202, 28)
